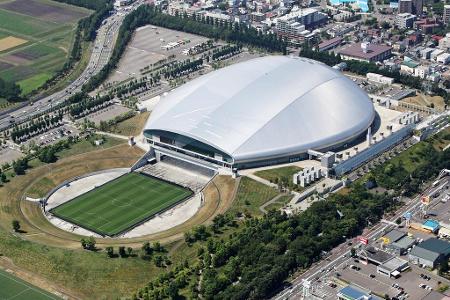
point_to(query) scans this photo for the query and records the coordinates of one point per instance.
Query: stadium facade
(264, 111)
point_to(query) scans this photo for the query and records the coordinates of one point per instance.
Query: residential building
(446, 14)
(409, 66)
(444, 43)
(309, 17)
(443, 58)
(435, 54)
(257, 16)
(405, 6)
(425, 53)
(422, 71)
(405, 20)
(410, 6)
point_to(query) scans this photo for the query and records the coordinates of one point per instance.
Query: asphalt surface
(103, 46)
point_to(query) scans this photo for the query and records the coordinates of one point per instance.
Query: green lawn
(119, 204)
(12, 287)
(250, 195)
(273, 174)
(32, 83)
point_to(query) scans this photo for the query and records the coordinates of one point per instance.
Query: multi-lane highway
(102, 49)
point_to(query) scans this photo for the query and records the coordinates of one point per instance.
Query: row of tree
(34, 127)
(182, 68)
(226, 52)
(89, 105)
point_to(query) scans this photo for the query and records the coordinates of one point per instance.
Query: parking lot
(8, 154)
(145, 49)
(410, 284)
(54, 135)
(107, 113)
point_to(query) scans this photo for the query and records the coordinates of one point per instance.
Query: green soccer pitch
(121, 203)
(12, 287)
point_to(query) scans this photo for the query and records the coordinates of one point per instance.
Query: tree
(88, 243)
(110, 251)
(129, 251)
(122, 251)
(172, 290)
(158, 260)
(147, 248)
(15, 225)
(353, 252)
(157, 247)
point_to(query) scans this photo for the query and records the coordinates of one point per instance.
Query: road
(340, 254)
(102, 49)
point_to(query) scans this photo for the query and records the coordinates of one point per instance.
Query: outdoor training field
(119, 204)
(35, 39)
(12, 287)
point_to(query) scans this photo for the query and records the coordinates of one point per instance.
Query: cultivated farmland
(35, 39)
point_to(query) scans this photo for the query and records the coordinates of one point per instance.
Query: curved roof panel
(266, 107)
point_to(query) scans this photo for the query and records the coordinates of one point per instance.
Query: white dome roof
(266, 107)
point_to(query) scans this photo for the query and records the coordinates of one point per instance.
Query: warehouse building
(430, 252)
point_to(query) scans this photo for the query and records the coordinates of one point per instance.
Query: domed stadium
(267, 110)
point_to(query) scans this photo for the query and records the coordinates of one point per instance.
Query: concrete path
(114, 135)
(262, 208)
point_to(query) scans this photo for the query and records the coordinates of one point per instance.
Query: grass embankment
(275, 174)
(87, 275)
(132, 126)
(282, 201)
(250, 195)
(80, 147)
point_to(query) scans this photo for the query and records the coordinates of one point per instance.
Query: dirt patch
(43, 11)
(29, 55)
(5, 66)
(10, 42)
(16, 59)
(427, 101)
